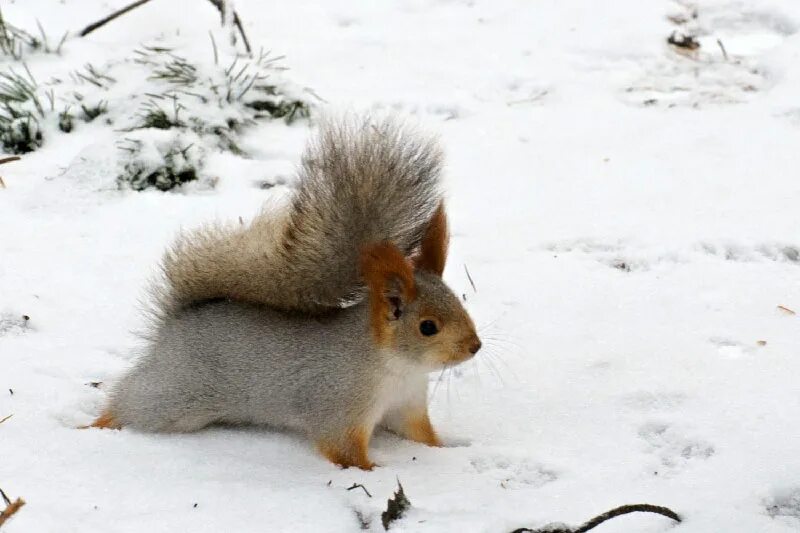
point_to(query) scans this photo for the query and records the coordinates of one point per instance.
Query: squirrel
(325, 318)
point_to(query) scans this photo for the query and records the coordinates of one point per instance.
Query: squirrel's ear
(389, 277)
(433, 249)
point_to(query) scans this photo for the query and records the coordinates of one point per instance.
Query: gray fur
(225, 362)
(360, 182)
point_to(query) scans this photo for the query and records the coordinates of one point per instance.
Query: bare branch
(102, 22)
(359, 485)
(613, 513)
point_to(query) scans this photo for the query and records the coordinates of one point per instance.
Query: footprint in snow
(646, 401)
(13, 323)
(784, 503)
(722, 65)
(672, 446)
(511, 472)
(730, 348)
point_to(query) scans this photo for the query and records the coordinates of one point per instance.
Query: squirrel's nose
(475, 346)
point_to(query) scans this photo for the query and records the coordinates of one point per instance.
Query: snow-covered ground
(630, 216)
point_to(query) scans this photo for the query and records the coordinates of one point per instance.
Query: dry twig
(722, 47)
(11, 507)
(6, 418)
(357, 485)
(597, 520)
(470, 279)
(102, 22)
(786, 310)
(4, 161)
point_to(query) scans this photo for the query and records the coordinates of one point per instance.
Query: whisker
(478, 383)
(455, 388)
(438, 380)
(507, 349)
(503, 340)
(483, 327)
(499, 351)
(502, 361)
(449, 376)
(491, 343)
(486, 356)
(487, 361)
(503, 314)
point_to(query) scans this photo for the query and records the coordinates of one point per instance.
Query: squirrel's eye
(428, 328)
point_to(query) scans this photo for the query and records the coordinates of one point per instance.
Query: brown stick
(102, 22)
(359, 485)
(9, 159)
(11, 507)
(6, 418)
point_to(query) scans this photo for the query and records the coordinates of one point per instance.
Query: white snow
(630, 217)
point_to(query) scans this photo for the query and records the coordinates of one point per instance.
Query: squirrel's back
(360, 182)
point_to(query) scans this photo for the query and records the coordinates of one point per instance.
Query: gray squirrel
(325, 316)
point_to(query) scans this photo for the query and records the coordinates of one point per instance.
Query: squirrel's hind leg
(349, 449)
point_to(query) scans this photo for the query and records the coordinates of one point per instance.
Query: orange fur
(383, 264)
(350, 450)
(106, 421)
(417, 427)
(433, 249)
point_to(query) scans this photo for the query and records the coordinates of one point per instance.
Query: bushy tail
(360, 182)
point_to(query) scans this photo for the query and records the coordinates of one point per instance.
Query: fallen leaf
(395, 507)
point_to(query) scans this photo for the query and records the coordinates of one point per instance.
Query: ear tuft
(433, 248)
(390, 279)
(387, 272)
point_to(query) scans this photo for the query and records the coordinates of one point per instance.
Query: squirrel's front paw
(417, 427)
(368, 466)
(347, 461)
